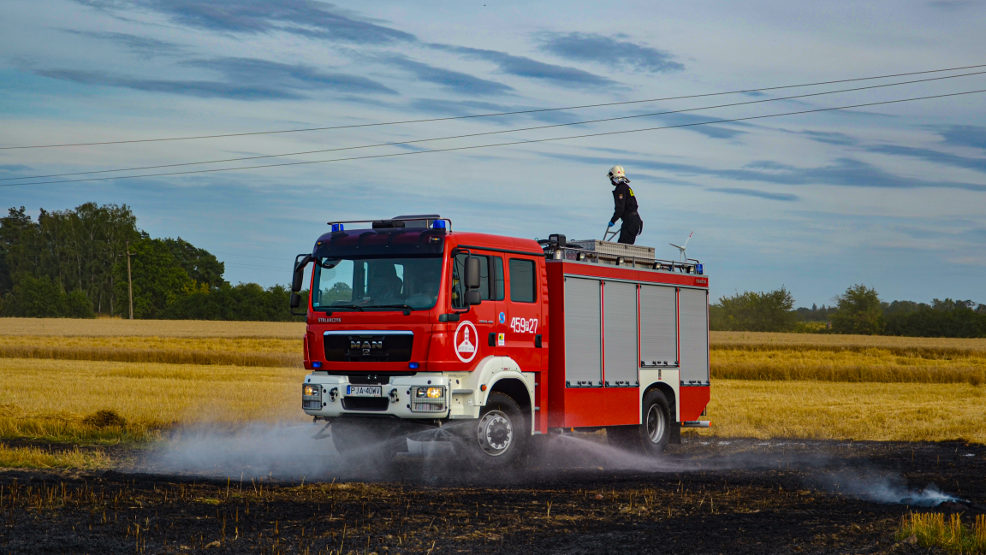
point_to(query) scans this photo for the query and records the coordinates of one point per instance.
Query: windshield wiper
(406, 308)
(332, 308)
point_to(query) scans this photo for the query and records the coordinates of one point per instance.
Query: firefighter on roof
(625, 206)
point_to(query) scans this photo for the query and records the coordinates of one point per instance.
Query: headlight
(430, 392)
(311, 396)
(428, 399)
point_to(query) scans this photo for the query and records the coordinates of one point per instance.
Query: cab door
(475, 336)
(520, 330)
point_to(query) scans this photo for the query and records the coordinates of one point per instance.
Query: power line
(487, 115)
(486, 133)
(510, 143)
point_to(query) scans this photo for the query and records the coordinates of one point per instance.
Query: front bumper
(419, 396)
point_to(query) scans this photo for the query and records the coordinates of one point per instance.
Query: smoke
(882, 487)
(293, 451)
(280, 451)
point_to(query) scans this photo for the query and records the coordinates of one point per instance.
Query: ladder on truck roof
(594, 251)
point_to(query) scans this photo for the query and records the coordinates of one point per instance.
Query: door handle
(537, 341)
(492, 339)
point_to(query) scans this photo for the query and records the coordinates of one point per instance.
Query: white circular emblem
(466, 341)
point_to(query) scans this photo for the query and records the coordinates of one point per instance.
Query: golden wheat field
(92, 382)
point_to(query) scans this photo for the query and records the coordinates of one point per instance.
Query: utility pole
(130, 282)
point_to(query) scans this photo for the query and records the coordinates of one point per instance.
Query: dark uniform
(626, 209)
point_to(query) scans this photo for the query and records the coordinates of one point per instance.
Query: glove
(611, 224)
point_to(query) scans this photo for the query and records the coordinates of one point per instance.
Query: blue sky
(890, 196)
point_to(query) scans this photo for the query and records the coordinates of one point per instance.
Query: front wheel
(500, 436)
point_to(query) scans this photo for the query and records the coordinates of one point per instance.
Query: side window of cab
(489, 288)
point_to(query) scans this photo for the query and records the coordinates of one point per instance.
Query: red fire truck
(412, 325)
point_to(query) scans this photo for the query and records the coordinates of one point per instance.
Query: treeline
(858, 310)
(73, 263)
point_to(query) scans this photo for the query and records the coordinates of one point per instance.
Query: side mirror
(472, 273)
(473, 296)
(295, 300)
(298, 278)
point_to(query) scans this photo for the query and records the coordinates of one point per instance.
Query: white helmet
(616, 173)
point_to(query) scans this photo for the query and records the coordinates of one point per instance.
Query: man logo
(366, 347)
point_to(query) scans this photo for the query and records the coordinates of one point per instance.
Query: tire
(654, 431)
(499, 437)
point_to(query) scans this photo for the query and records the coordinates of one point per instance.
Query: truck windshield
(376, 283)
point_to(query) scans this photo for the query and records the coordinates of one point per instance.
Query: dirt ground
(575, 496)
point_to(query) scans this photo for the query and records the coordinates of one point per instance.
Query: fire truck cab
(412, 326)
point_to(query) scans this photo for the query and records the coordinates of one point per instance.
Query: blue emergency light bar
(338, 227)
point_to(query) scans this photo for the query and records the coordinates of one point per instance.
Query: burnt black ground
(577, 496)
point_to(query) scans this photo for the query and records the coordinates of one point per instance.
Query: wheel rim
(655, 424)
(496, 433)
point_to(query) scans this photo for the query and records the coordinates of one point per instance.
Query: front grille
(365, 403)
(369, 379)
(368, 347)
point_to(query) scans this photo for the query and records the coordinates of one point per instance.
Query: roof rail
(413, 221)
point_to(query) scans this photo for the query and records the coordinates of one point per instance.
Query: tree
(858, 311)
(41, 296)
(158, 280)
(18, 247)
(749, 311)
(201, 265)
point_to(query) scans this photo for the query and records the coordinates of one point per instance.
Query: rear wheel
(654, 431)
(500, 436)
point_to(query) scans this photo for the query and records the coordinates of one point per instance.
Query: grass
(240, 351)
(747, 338)
(856, 411)
(933, 530)
(58, 400)
(163, 328)
(107, 381)
(850, 364)
(37, 457)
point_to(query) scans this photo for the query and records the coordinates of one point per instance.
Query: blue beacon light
(337, 227)
(438, 224)
(412, 365)
(316, 364)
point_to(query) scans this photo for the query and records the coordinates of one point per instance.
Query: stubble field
(147, 420)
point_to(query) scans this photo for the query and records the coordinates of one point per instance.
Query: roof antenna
(681, 248)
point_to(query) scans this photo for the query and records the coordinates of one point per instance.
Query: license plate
(364, 391)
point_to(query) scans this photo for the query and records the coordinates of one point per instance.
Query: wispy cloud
(245, 79)
(142, 46)
(936, 156)
(302, 17)
(828, 137)
(289, 76)
(693, 122)
(965, 135)
(457, 81)
(842, 172)
(951, 5)
(13, 168)
(208, 89)
(529, 68)
(754, 193)
(468, 107)
(588, 47)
